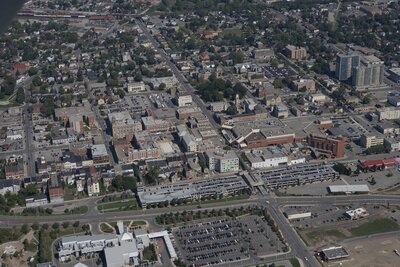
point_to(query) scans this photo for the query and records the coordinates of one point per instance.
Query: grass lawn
(137, 223)
(375, 226)
(118, 206)
(211, 201)
(105, 228)
(295, 262)
(69, 194)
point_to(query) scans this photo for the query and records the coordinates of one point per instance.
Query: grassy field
(323, 235)
(295, 262)
(105, 228)
(375, 226)
(118, 206)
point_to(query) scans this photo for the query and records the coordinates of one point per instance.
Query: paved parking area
(226, 240)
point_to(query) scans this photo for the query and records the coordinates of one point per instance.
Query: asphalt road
(179, 76)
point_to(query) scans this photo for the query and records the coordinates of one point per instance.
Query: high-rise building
(369, 73)
(345, 64)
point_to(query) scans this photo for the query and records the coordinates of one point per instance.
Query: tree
(20, 97)
(24, 229)
(231, 110)
(162, 86)
(152, 175)
(32, 71)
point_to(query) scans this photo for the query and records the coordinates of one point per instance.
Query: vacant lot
(334, 234)
(375, 251)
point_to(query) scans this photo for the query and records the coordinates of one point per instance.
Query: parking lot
(272, 72)
(225, 240)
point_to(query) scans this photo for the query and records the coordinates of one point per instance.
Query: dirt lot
(20, 261)
(371, 252)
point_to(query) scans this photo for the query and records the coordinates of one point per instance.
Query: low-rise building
(305, 84)
(369, 140)
(222, 161)
(184, 100)
(123, 125)
(100, 155)
(356, 214)
(136, 87)
(388, 113)
(295, 52)
(280, 111)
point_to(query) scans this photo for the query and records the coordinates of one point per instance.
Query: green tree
(20, 97)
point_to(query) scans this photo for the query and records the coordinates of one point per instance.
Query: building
(295, 52)
(394, 74)
(333, 253)
(123, 125)
(388, 114)
(266, 158)
(280, 111)
(356, 214)
(218, 106)
(192, 190)
(369, 140)
(296, 216)
(296, 175)
(189, 143)
(392, 144)
(333, 147)
(307, 84)
(345, 64)
(222, 161)
(136, 87)
(92, 187)
(185, 112)
(264, 54)
(9, 185)
(155, 125)
(348, 189)
(56, 194)
(393, 98)
(380, 163)
(272, 100)
(184, 100)
(369, 73)
(99, 155)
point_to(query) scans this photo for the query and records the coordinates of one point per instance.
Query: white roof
(348, 188)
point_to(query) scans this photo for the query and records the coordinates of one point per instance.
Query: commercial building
(394, 74)
(184, 100)
(295, 52)
(393, 98)
(333, 147)
(225, 186)
(123, 125)
(345, 64)
(369, 73)
(99, 155)
(117, 250)
(334, 253)
(388, 114)
(369, 140)
(136, 87)
(185, 112)
(296, 175)
(266, 158)
(222, 161)
(155, 125)
(393, 144)
(356, 214)
(280, 111)
(380, 163)
(348, 189)
(296, 216)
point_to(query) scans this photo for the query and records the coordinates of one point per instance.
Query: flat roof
(348, 188)
(333, 253)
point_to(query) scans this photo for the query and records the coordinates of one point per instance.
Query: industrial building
(334, 253)
(348, 189)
